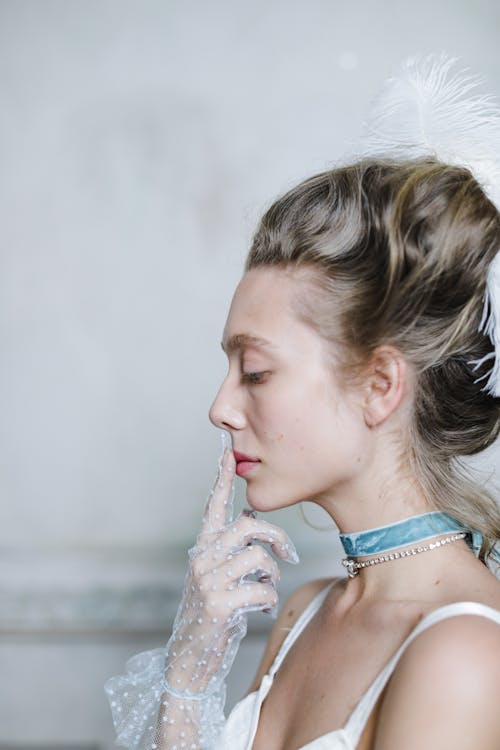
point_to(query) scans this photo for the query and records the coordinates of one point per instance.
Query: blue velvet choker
(410, 530)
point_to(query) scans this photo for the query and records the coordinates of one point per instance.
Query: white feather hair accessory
(426, 110)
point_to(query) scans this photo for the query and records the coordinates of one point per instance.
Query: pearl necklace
(353, 566)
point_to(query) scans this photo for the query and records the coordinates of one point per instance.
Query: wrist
(187, 694)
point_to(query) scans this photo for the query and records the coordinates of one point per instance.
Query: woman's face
(280, 401)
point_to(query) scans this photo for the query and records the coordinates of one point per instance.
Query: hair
(397, 252)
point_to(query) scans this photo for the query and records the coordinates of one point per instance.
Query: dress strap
(361, 713)
(299, 625)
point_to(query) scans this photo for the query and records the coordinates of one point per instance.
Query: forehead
(261, 312)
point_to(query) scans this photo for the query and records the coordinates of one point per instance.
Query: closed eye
(255, 378)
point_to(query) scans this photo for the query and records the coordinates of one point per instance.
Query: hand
(212, 617)
(174, 697)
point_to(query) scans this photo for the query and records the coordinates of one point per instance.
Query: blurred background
(139, 144)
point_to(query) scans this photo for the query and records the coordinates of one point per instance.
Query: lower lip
(242, 467)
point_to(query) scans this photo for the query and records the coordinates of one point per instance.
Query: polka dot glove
(173, 698)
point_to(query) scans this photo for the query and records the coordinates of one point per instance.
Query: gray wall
(139, 142)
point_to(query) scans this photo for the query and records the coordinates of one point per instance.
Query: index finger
(219, 505)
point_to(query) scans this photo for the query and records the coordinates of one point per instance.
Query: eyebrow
(242, 340)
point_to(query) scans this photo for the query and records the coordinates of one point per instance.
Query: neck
(378, 496)
(373, 497)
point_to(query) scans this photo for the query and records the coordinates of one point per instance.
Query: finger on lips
(242, 557)
(255, 528)
(219, 510)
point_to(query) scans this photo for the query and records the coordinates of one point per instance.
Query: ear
(385, 385)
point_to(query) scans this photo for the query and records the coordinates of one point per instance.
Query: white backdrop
(139, 143)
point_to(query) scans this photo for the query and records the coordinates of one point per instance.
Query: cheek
(311, 442)
(303, 419)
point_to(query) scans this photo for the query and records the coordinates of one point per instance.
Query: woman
(357, 358)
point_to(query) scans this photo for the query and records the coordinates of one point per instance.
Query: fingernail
(292, 555)
(273, 611)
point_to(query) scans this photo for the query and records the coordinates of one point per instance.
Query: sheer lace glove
(173, 698)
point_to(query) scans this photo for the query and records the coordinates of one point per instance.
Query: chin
(255, 505)
(262, 502)
(257, 500)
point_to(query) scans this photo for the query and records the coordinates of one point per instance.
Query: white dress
(241, 725)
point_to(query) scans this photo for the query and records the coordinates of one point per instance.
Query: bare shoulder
(444, 689)
(288, 615)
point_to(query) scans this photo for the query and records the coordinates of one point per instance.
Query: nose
(225, 411)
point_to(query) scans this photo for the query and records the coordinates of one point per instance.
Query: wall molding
(101, 591)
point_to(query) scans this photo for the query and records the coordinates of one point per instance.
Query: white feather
(490, 324)
(426, 110)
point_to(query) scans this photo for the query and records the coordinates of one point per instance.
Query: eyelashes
(254, 378)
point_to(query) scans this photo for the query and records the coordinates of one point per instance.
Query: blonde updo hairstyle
(397, 253)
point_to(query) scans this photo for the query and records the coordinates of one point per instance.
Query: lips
(243, 457)
(244, 463)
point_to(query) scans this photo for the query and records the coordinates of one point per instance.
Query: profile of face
(280, 400)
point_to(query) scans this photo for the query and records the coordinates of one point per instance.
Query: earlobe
(385, 385)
